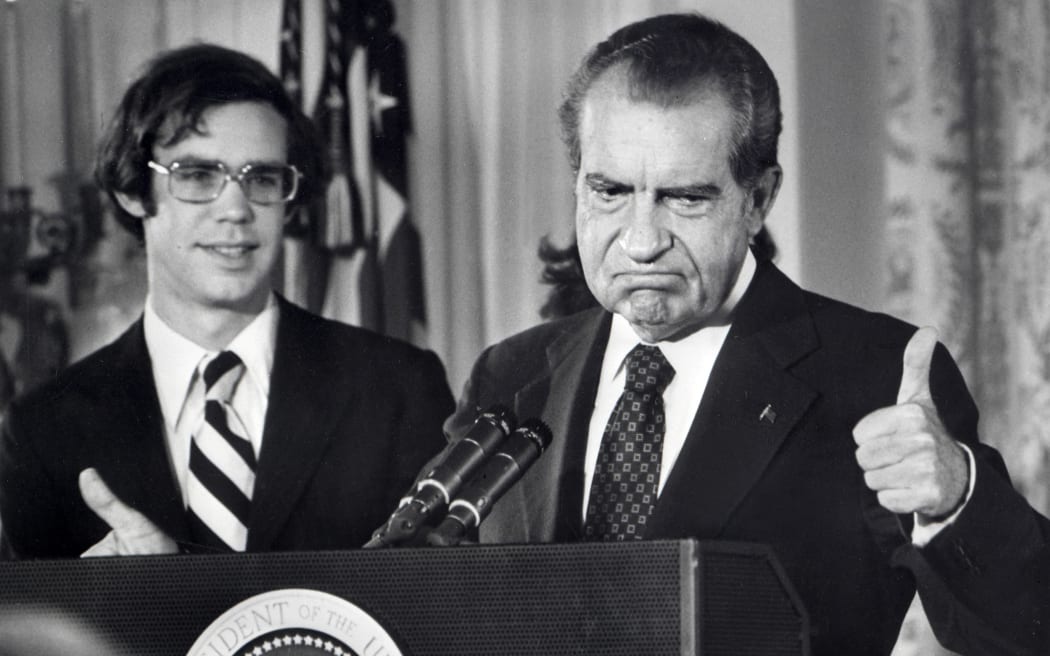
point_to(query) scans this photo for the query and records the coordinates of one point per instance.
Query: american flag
(370, 248)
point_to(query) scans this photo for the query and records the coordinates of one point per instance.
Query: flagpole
(13, 93)
(81, 106)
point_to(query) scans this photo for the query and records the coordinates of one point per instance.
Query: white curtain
(968, 232)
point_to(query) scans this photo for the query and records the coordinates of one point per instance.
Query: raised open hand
(132, 533)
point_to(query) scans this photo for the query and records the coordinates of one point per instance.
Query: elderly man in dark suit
(710, 397)
(226, 418)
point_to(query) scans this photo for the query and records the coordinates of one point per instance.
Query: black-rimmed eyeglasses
(202, 182)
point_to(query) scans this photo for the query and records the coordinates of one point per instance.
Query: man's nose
(234, 204)
(645, 238)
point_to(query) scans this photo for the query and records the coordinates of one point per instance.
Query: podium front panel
(637, 598)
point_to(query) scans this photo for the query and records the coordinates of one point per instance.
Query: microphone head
(500, 415)
(537, 431)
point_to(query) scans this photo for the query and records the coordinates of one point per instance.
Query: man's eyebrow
(199, 160)
(708, 190)
(702, 189)
(195, 159)
(602, 180)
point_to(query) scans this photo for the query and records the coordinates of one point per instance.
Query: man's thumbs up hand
(918, 356)
(908, 458)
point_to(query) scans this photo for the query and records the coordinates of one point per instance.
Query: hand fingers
(894, 420)
(906, 486)
(889, 450)
(132, 532)
(918, 354)
(107, 546)
(899, 501)
(98, 497)
(915, 473)
(901, 489)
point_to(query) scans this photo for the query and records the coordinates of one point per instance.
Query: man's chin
(654, 322)
(649, 326)
(241, 302)
(646, 308)
(652, 333)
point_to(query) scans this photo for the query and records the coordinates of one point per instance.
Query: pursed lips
(647, 279)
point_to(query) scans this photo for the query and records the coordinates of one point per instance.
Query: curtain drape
(967, 236)
(489, 174)
(968, 233)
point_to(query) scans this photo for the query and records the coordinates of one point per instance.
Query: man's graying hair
(669, 60)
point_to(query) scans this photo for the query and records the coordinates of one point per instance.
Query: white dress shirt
(692, 357)
(177, 371)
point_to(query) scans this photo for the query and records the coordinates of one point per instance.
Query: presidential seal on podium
(295, 622)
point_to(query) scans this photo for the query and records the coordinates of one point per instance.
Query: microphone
(444, 480)
(496, 476)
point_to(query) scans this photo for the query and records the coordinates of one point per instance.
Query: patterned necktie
(222, 463)
(627, 474)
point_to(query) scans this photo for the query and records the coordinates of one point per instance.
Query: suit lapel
(749, 407)
(299, 425)
(731, 441)
(131, 445)
(545, 505)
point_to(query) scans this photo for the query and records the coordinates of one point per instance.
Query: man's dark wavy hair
(167, 101)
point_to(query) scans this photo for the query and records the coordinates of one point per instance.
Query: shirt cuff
(921, 534)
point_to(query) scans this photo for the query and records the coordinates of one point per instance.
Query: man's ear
(765, 191)
(131, 205)
(763, 194)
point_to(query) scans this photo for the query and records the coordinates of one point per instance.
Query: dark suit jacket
(792, 483)
(351, 416)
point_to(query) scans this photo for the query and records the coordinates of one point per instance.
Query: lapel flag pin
(768, 414)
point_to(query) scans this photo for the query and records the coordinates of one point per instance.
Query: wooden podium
(660, 597)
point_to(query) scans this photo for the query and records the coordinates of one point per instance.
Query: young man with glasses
(225, 418)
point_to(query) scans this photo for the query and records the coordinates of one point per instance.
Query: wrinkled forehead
(620, 87)
(615, 94)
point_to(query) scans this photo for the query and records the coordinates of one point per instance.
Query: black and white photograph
(525, 327)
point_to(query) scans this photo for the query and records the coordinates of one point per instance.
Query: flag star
(267, 646)
(257, 651)
(287, 641)
(334, 100)
(328, 646)
(380, 102)
(298, 639)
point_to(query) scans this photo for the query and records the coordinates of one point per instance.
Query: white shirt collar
(175, 358)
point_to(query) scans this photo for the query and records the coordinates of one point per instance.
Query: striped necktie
(627, 475)
(222, 463)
